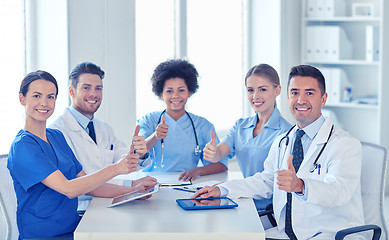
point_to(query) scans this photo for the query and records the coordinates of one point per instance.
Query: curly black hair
(176, 68)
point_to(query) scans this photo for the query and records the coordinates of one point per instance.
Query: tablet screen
(132, 196)
(206, 203)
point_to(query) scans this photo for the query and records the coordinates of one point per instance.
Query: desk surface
(160, 217)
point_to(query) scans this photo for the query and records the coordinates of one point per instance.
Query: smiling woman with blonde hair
(250, 139)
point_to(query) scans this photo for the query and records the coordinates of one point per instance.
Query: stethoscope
(286, 138)
(197, 150)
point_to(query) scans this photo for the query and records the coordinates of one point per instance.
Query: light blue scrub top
(41, 211)
(179, 145)
(251, 152)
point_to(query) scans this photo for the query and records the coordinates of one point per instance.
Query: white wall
(101, 31)
(47, 45)
(63, 33)
(273, 30)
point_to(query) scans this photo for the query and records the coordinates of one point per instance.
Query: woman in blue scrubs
(250, 138)
(47, 177)
(174, 136)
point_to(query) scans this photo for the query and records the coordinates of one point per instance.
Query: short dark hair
(176, 68)
(84, 67)
(308, 71)
(264, 70)
(33, 76)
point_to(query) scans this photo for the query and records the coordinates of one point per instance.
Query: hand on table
(189, 175)
(207, 192)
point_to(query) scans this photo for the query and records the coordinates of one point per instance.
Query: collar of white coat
(72, 121)
(320, 138)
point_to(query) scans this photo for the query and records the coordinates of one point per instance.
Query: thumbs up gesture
(162, 129)
(128, 163)
(139, 143)
(210, 149)
(287, 179)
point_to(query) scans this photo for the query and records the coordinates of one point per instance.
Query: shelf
(342, 62)
(343, 19)
(352, 105)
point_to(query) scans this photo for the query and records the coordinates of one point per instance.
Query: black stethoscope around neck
(286, 138)
(197, 150)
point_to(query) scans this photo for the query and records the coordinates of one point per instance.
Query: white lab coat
(92, 156)
(332, 199)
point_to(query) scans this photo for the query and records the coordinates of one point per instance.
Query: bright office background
(56, 35)
(129, 38)
(213, 45)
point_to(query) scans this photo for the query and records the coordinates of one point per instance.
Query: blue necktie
(298, 155)
(92, 133)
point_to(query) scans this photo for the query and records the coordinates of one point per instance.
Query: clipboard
(206, 203)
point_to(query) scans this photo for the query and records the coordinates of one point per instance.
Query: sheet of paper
(169, 179)
(206, 183)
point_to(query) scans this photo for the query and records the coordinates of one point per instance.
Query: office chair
(374, 161)
(7, 203)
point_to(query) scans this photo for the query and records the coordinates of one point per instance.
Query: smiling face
(87, 97)
(39, 101)
(305, 100)
(175, 94)
(261, 94)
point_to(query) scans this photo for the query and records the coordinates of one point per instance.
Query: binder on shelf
(311, 8)
(319, 8)
(310, 47)
(372, 40)
(334, 8)
(325, 8)
(328, 42)
(336, 82)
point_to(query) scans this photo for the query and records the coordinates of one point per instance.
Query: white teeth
(302, 109)
(257, 104)
(91, 101)
(42, 111)
(175, 102)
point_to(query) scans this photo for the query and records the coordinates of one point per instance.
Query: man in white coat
(92, 140)
(325, 191)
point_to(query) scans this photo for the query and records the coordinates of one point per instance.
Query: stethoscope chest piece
(197, 150)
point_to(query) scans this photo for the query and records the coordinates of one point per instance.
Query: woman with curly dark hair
(175, 137)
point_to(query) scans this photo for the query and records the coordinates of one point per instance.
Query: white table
(161, 218)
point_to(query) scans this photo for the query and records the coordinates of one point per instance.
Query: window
(213, 45)
(154, 44)
(12, 68)
(215, 48)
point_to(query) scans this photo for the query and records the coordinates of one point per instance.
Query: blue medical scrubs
(179, 145)
(41, 211)
(251, 152)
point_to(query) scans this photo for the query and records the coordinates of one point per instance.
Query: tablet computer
(206, 203)
(132, 196)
